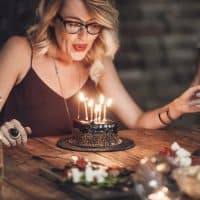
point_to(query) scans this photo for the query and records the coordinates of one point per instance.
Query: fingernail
(193, 102)
(198, 94)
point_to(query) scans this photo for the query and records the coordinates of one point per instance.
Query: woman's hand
(8, 139)
(188, 102)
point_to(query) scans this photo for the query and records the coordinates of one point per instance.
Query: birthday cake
(92, 129)
(95, 134)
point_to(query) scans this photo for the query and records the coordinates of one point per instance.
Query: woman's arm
(14, 59)
(14, 63)
(128, 111)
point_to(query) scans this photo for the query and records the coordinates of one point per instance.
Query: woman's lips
(80, 47)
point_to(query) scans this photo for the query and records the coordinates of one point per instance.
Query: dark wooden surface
(22, 180)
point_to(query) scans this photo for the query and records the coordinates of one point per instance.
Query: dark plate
(99, 194)
(86, 192)
(124, 144)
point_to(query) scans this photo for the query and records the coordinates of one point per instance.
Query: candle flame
(90, 103)
(97, 107)
(102, 99)
(109, 102)
(97, 111)
(82, 97)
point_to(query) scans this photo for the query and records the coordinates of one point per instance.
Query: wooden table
(21, 170)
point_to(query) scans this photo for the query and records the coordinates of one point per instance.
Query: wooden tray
(56, 175)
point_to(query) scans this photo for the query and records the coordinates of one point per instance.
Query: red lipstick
(80, 47)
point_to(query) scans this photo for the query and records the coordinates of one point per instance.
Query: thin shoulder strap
(31, 48)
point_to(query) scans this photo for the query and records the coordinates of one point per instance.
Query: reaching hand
(12, 133)
(188, 102)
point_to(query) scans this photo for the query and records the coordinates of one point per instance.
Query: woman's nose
(82, 34)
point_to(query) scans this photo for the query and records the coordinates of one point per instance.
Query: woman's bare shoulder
(16, 54)
(16, 45)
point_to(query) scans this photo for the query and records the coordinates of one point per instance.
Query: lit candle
(101, 100)
(91, 106)
(84, 100)
(97, 109)
(107, 104)
(80, 96)
(99, 118)
(86, 110)
(95, 113)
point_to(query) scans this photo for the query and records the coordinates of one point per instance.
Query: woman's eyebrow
(78, 19)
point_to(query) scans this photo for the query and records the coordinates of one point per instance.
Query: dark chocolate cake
(95, 134)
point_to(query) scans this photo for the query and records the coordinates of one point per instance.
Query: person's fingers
(10, 125)
(4, 140)
(198, 94)
(21, 130)
(194, 102)
(5, 133)
(192, 106)
(192, 91)
(28, 130)
(195, 108)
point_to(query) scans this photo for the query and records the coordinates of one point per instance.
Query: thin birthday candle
(107, 104)
(80, 98)
(99, 118)
(84, 99)
(95, 112)
(91, 106)
(86, 110)
(101, 99)
(104, 112)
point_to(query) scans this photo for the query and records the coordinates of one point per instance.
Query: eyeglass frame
(82, 25)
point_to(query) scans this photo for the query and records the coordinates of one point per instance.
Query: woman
(70, 49)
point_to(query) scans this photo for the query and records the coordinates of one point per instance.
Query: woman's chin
(78, 56)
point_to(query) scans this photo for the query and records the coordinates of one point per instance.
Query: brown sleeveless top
(36, 105)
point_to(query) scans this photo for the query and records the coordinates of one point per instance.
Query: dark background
(159, 38)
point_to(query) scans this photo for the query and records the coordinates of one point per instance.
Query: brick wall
(158, 45)
(156, 60)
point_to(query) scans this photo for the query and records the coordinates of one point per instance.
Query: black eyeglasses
(73, 27)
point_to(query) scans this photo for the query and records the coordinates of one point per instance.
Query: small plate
(84, 191)
(100, 194)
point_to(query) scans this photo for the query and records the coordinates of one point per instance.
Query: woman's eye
(73, 24)
(95, 26)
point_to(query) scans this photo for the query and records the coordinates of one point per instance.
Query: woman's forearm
(160, 117)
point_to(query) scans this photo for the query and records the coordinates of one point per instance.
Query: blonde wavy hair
(42, 34)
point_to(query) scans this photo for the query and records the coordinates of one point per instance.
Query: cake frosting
(95, 134)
